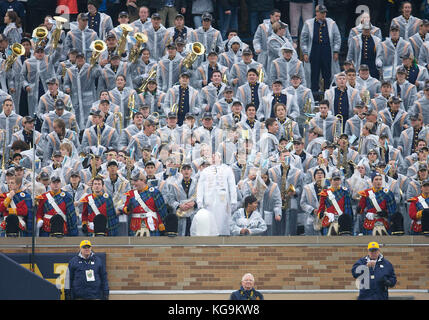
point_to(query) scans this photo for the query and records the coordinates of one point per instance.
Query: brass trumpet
(97, 47)
(17, 50)
(197, 49)
(135, 51)
(131, 105)
(261, 76)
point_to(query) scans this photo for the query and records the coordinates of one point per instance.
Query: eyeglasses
(86, 247)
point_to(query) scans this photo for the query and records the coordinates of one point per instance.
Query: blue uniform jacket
(246, 295)
(383, 270)
(80, 288)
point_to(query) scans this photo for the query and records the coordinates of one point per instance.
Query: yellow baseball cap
(373, 245)
(85, 243)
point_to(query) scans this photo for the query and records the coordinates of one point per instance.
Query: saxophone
(284, 192)
(186, 213)
(131, 105)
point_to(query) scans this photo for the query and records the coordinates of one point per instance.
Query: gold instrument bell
(97, 47)
(135, 51)
(122, 42)
(57, 32)
(40, 33)
(17, 50)
(197, 49)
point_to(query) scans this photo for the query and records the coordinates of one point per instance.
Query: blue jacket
(80, 288)
(246, 295)
(381, 277)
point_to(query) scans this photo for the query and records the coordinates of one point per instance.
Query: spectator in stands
(247, 290)
(86, 276)
(299, 9)
(258, 11)
(228, 15)
(198, 8)
(168, 9)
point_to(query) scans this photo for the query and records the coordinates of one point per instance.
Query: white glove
(370, 216)
(39, 224)
(330, 216)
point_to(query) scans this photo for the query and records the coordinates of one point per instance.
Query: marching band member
(234, 53)
(321, 53)
(48, 100)
(59, 112)
(363, 49)
(110, 72)
(389, 53)
(223, 106)
(380, 207)
(279, 38)
(395, 118)
(263, 32)
(142, 67)
(144, 20)
(239, 70)
(147, 137)
(16, 203)
(131, 130)
(186, 98)
(10, 122)
(310, 201)
(169, 68)
(248, 220)
(79, 82)
(419, 210)
(407, 24)
(183, 195)
(179, 30)
(100, 22)
(146, 208)
(99, 133)
(335, 208)
(203, 75)
(98, 212)
(290, 180)
(356, 31)
(80, 38)
(212, 92)
(365, 81)
(403, 88)
(286, 66)
(278, 95)
(57, 136)
(253, 90)
(157, 37)
(55, 212)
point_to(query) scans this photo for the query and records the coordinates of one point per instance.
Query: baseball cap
(55, 179)
(228, 89)
(51, 81)
(85, 243)
(394, 28)
(373, 245)
(44, 176)
(123, 14)
(172, 115)
(247, 51)
(112, 163)
(75, 173)
(336, 175)
(155, 15)
(59, 104)
(28, 119)
(186, 165)
(207, 16)
(425, 182)
(321, 8)
(189, 115)
(207, 115)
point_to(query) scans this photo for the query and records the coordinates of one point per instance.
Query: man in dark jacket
(247, 290)
(375, 274)
(86, 276)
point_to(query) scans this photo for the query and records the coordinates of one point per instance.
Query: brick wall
(275, 266)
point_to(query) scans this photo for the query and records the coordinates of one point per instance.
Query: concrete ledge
(217, 241)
